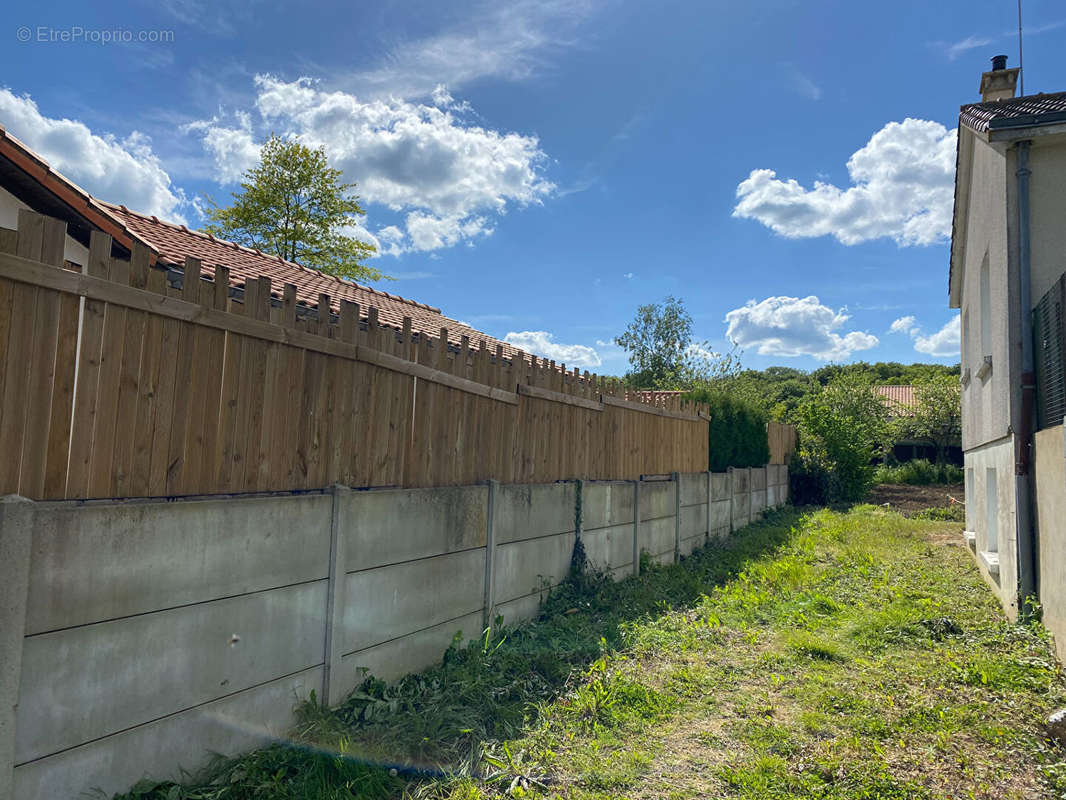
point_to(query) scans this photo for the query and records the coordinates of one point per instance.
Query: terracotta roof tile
(901, 399)
(175, 242)
(1032, 109)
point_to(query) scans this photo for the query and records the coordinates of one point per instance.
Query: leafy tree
(293, 204)
(938, 415)
(661, 352)
(842, 428)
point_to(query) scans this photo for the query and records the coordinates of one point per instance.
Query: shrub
(841, 429)
(737, 431)
(919, 473)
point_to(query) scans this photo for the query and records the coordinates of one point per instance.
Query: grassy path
(823, 655)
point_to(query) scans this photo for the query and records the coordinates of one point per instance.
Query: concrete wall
(141, 635)
(1050, 463)
(1000, 457)
(1047, 160)
(986, 401)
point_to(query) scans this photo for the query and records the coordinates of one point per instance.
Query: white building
(1008, 257)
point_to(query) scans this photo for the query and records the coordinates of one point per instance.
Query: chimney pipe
(998, 83)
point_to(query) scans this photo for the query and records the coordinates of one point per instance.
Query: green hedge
(737, 432)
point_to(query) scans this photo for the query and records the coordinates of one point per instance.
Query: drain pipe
(1026, 539)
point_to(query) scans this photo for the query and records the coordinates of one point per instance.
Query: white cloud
(945, 343)
(122, 171)
(510, 41)
(800, 83)
(902, 188)
(449, 176)
(540, 343)
(793, 326)
(904, 325)
(956, 49)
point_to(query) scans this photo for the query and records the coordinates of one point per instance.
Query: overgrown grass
(821, 655)
(918, 473)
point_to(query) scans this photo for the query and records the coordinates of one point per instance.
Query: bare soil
(907, 499)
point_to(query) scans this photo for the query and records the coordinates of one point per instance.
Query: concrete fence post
(636, 527)
(16, 541)
(338, 574)
(490, 556)
(732, 496)
(751, 513)
(677, 517)
(707, 533)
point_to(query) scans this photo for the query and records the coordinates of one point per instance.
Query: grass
(815, 655)
(918, 473)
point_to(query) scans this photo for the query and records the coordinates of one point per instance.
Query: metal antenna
(1021, 66)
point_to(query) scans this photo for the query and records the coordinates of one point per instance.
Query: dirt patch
(907, 499)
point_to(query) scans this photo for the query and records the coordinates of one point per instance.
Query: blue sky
(539, 169)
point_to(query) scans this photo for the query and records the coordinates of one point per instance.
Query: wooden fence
(115, 383)
(782, 439)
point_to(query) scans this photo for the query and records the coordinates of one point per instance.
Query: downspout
(1025, 541)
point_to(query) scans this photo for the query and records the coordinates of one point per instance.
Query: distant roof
(901, 399)
(55, 194)
(1019, 112)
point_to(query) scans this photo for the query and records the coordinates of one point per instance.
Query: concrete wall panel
(656, 499)
(416, 651)
(159, 750)
(83, 683)
(1051, 513)
(741, 504)
(720, 485)
(528, 511)
(758, 502)
(657, 536)
(693, 488)
(523, 568)
(98, 561)
(389, 602)
(693, 521)
(389, 526)
(604, 505)
(609, 548)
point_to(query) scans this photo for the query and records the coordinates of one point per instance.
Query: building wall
(1047, 201)
(985, 401)
(73, 251)
(153, 632)
(1000, 457)
(1050, 460)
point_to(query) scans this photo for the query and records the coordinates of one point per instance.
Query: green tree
(662, 354)
(293, 204)
(938, 415)
(842, 428)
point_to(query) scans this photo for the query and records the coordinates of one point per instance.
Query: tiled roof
(170, 243)
(175, 242)
(901, 399)
(1033, 109)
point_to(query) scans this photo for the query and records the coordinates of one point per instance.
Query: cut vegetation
(816, 655)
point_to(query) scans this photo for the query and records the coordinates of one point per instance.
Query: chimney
(1000, 82)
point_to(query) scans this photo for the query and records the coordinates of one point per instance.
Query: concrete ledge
(990, 562)
(971, 540)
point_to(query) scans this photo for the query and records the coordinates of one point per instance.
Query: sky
(540, 169)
